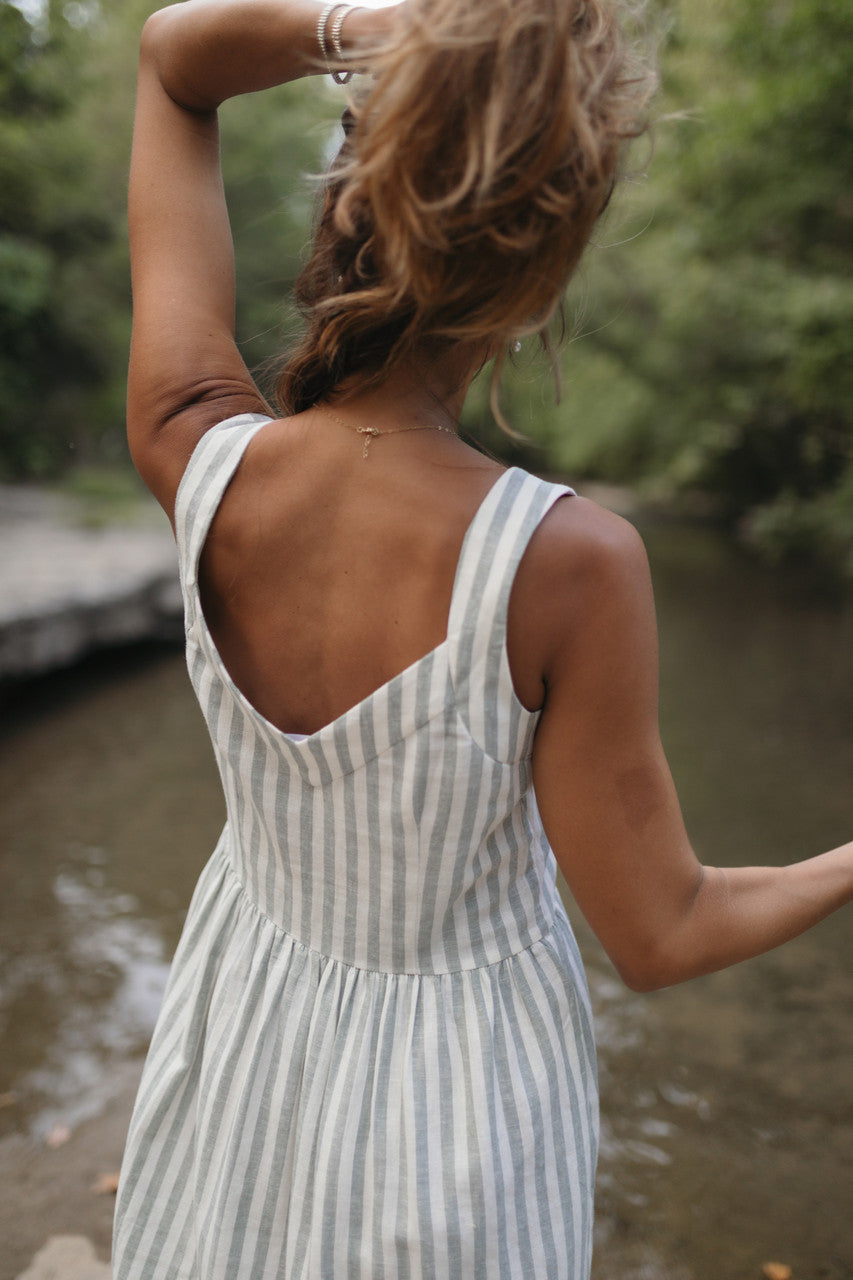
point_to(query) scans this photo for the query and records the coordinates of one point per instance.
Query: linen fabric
(375, 1057)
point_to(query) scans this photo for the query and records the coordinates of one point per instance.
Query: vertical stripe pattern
(375, 1057)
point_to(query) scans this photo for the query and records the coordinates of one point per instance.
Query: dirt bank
(53, 1191)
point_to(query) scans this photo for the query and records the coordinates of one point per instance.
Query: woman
(375, 1056)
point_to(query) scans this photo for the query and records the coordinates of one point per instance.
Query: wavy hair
(478, 155)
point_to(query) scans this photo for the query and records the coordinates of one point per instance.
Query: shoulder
(581, 549)
(584, 573)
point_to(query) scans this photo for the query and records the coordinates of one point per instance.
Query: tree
(721, 357)
(66, 110)
(45, 228)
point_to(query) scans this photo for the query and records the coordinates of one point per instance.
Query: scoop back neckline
(303, 742)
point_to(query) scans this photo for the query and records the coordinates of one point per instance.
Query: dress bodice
(404, 836)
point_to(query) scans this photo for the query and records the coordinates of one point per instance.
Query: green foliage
(719, 355)
(272, 144)
(31, 334)
(102, 496)
(714, 317)
(66, 110)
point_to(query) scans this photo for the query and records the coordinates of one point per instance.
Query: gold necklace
(370, 433)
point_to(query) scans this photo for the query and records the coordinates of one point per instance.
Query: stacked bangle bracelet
(340, 11)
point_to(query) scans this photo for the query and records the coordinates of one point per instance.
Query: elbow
(163, 54)
(667, 949)
(651, 965)
(644, 977)
(152, 36)
(645, 982)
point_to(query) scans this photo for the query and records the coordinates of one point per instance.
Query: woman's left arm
(186, 372)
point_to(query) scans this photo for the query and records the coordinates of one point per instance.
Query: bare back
(325, 573)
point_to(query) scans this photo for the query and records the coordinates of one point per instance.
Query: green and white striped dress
(375, 1057)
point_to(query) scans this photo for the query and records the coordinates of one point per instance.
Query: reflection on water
(727, 1137)
(110, 806)
(96, 996)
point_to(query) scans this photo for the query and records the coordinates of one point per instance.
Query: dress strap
(209, 471)
(494, 544)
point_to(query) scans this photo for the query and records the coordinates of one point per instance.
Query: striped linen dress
(375, 1057)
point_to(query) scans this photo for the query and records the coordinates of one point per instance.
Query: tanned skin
(325, 574)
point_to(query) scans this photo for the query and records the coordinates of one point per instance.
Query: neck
(426, 389)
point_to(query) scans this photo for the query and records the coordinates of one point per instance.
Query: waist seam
(542, 936)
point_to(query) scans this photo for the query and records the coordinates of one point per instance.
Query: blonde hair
(478, 156)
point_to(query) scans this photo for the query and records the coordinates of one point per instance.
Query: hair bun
(483, 147)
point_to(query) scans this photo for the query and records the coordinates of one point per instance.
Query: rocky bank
(68, 587)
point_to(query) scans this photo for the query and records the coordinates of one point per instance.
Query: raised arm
(186, 372)
(604, 788)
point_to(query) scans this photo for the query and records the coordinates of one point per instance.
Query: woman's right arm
(605, 791)
(186, 370)
(207, 51)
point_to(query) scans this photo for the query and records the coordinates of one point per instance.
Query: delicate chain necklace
(370, 433)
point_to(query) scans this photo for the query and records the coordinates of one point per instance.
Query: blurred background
(713, 315)
(706, 395)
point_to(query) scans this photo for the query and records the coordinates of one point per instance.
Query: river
(727, 1136)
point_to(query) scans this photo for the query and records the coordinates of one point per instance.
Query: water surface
(728, 1103)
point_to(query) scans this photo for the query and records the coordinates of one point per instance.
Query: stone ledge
(66, 1258)
(66, 591)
